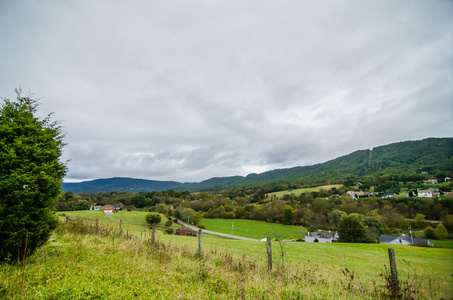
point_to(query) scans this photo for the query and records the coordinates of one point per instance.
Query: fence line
(319, 256)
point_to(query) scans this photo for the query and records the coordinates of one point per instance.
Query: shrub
(168, 223)
(169, 230)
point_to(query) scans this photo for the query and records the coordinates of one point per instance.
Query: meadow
(297, 192)
(84, 265)
(254, 229)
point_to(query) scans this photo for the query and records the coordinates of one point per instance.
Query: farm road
(194, 228)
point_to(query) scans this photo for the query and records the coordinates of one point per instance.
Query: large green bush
(30, 177)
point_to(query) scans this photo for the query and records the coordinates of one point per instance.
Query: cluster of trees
(440, 232)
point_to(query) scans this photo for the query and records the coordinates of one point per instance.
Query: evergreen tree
(30, 177)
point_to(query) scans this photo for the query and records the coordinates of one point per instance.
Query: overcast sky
(189, 90)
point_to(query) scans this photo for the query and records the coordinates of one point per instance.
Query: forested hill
(432, 155)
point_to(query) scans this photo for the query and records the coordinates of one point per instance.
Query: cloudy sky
(189, 90)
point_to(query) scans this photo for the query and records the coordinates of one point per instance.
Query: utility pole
(401, 242)
(412, 239)
(232, 228)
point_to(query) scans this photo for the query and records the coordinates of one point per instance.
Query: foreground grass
(76, 266)
(89, 266)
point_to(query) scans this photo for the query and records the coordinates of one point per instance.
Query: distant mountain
(119, 184)
(431, 155)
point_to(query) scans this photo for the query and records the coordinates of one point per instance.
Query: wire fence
(364, 262)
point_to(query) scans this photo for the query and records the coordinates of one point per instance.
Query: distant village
(431, 192)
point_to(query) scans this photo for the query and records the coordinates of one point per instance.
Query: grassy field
(254, 229)
(443, 243)
(305, 190)
(229, 268)
(90, 266)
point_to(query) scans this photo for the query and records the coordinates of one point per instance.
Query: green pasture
(297, 192)
(254, 229)
(74, 266)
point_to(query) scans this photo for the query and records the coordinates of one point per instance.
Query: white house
(430, 181)
(425, 193)
(429, 193)
(96, 207)
(403, 240)
(321, 237)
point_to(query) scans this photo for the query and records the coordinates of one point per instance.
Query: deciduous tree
(351, 230)
(153, 218)
(288, 215)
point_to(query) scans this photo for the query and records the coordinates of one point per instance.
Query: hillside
(413, 157)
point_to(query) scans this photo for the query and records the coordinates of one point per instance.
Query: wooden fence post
(154, 233)
(97, 222)
(199, 242)
(269, 254)
(393, 271)
(121, 226)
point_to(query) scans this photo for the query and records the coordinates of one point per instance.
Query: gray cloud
(188, 90)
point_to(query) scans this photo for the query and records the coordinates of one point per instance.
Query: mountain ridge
(430, 155)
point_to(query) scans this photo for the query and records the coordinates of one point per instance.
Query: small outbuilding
(185, 231)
